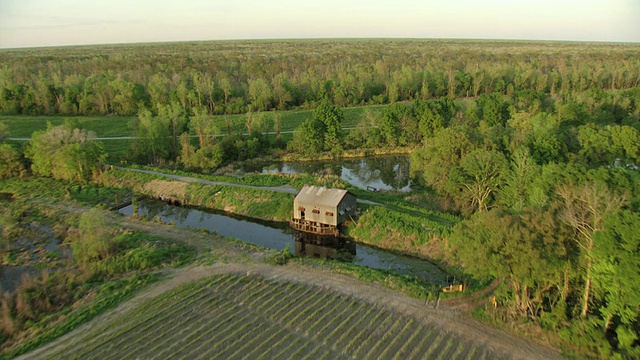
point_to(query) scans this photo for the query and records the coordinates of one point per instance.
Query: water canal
(278, 236)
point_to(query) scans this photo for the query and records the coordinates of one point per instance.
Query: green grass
(292, 119)
(115, 126)
(103, 126)
(230, 316)
(47, 188)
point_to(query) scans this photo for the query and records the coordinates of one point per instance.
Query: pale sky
(28, 23)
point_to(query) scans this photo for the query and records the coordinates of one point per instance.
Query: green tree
(616, 275)
(4, 131)
(480, 174)
(440, 154)
(95, 238)
(152, 135)
(331, 117)
(493, 109)
(65, 153)
(10, 163)
(175, 116)
(204, 126)
(510, 248)
(544, 140)
(518, 182)
(260, 94)
(584, 209)
(308, 138)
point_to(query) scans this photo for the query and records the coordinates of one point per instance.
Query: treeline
(237, 77)
(550, 194)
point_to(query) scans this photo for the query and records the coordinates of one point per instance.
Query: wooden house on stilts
(321, 211)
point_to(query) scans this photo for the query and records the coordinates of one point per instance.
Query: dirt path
(283, 189)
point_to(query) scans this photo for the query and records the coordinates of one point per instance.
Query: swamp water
(379, 172)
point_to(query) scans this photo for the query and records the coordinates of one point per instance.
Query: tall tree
(204, 126)
(616, 277)
(480, 175)
(331, 118)
(65, 153)
(584, 209)
(152, 135)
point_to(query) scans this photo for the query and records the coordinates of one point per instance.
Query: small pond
(278, 236)
(380, 172)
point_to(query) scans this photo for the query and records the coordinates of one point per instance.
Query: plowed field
(234, 316)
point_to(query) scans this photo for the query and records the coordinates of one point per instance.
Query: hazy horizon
(40, 23)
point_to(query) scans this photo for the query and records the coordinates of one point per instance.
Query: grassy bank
(256, 203)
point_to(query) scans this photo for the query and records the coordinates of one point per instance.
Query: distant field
(233, 316)
(115, 126)
(292, 119)
(103, 126)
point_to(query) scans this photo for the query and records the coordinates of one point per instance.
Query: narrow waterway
(278, 236)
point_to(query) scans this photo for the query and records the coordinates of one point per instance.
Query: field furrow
(401, 337)
(329, 313)
(235, 316)
(116, 339)
(265, 345)
(220, 332)
(334, 332)
(158, 336)
(368, 336)
(356, 328)
(407, 346)
(431, 349)
(176, 341)
(386, 337)
(133, 319)
(423, 343)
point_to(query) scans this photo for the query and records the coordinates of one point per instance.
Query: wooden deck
(314, 227)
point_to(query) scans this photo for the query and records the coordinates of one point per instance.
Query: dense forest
(535, 145)
(237, 77)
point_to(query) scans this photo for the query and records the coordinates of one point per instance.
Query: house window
(328, 213)
(316, 211)
(300, 208)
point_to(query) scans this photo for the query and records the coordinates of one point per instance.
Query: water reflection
(382, 173)
(278, 236)
(324, 247)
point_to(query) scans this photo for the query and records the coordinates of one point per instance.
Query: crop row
(229, 317)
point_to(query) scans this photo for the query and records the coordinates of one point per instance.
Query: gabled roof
(320, 195)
